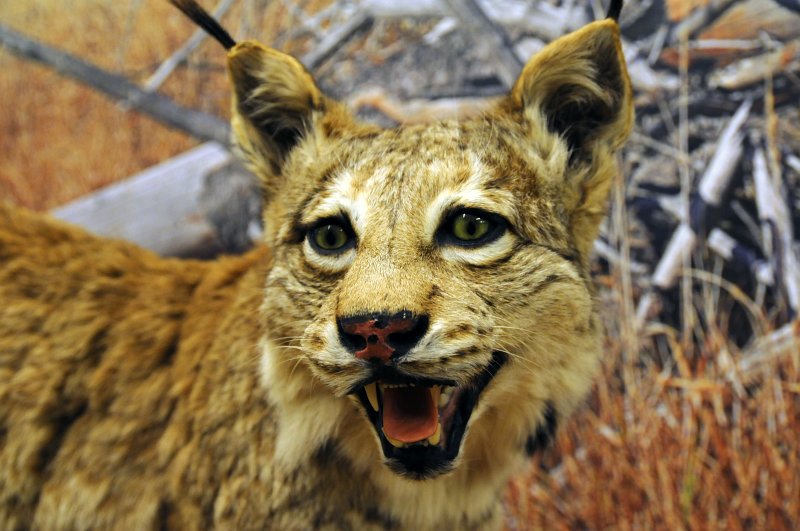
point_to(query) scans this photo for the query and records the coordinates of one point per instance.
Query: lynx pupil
(330, 237)
(469, 227)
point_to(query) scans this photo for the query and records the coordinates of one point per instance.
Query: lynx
(418, 321)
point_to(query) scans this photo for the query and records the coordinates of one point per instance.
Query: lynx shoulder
(419, 319)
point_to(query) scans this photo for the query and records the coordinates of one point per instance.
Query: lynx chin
(418, 321)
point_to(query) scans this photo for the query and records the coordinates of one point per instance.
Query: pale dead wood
(776, 224)
(199, 203)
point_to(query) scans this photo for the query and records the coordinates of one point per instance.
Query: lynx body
(419, 320)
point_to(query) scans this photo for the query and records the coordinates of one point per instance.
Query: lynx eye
(469, 228)
(331, 237)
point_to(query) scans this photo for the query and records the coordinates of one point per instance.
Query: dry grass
(671, 448)
(670, 438)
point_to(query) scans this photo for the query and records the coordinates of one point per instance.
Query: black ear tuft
(614, 9)
(199, 16)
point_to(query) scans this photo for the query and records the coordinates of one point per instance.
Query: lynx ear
(578, 86)
(274, 102)
(578, 89)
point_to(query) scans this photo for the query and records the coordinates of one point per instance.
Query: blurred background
(695, 419)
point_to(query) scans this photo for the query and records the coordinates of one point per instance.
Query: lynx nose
(381, 337)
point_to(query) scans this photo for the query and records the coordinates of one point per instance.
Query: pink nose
(381, 337)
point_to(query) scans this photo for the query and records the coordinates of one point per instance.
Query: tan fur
(138, 392)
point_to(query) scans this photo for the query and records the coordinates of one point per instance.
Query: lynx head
(432, 281)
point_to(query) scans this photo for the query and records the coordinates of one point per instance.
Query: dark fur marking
(373, 515)
(97, 347)
(165, 508)
(503, 260)
(487, 299)
(545, 433)
(327, 452)
(61, 424)
(549, 280)
(435, 291)
(171, 350)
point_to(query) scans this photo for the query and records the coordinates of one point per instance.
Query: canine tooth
(395, 442)
(444, 398)
(372, 395)
(447, 394)
(436, 437)
(436, 392)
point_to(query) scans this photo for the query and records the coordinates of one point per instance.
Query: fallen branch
(181, 54)
(159, 107)
(335, 38)
(776, 224)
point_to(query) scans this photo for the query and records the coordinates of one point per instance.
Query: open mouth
(421, 422)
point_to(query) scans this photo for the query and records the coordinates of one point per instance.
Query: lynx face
(434, 279)
(424, 260)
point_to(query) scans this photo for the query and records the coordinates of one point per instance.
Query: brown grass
(671, 448)
(671, 438)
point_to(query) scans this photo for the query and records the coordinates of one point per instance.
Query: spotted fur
(138, 392)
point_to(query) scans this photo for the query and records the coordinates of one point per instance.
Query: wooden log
(776, 224)
(198, 204)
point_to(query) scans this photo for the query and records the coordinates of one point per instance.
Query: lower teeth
(395, 442)
(436, 437)
(433, 440)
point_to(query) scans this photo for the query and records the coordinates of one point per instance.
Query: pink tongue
(409, 414)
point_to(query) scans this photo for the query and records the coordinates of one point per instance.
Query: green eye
(470, 227)
(329, 238)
